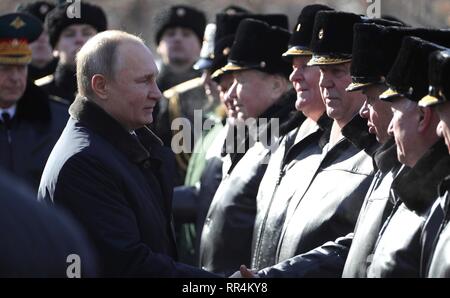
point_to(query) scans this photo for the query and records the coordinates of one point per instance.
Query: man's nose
(391, 128)
(364, 111)
(296, 75)
(325, 81)
(439, 129)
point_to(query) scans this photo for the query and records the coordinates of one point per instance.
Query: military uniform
(182, 101)
(28, 138)
(397, 250)
(326, 201)
(31, 126)
(179, 100)
(435, 261)
(227, 232)
(39, 9)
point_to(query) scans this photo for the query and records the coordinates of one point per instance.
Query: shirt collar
(11, 111)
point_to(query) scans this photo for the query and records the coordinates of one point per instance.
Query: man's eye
(69, 34)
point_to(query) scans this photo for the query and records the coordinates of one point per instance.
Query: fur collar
(385, 157)
(357, 132)
(418, 188)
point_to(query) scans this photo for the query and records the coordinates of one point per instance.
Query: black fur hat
(408, 76)
(332, 38)
(227, 26)
(235, 9)
(57, 20)
(375, 49)
(259, 46)
(439, 79)
(181, 16)
(299, 44)
(228, 23)
(222, 50)
(39, 9)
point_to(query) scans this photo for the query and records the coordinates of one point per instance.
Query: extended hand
(244, 272)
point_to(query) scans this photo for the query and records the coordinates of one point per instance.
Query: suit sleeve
(327, 260)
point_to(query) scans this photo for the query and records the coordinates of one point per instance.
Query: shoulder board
(44, 80)
(183, 87)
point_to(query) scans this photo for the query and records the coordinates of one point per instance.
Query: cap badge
(321, 34)
(262, 64)
(180, 12)
(410, 90)
(15, 43)
(17, 23)
(231, 11)
(43, 9)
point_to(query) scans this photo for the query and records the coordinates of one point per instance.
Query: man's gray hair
(98, 56)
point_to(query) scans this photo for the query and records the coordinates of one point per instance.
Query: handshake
(244, 272)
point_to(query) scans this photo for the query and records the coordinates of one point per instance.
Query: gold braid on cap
(14, 51)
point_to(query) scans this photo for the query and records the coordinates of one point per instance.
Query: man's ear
(98, 85)
(278, 86)
(425, 115)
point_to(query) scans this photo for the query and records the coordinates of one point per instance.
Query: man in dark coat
(109, 170)
(67, 35)
(30, 122)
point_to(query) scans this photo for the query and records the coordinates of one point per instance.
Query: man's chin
(332, 113)
(11, 99)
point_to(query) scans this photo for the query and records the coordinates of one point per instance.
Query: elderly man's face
(133, 93)
(71, 40)
(377, 112)
(340, 104)
(13, 81)
(443, 129)
(179, 46)
(250, 94)
(305, 80)
(404, 128)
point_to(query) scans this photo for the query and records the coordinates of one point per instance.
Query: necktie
(6, 119)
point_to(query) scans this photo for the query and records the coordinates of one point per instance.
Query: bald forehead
(403, 104)
(131, 50)
(135, 58)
